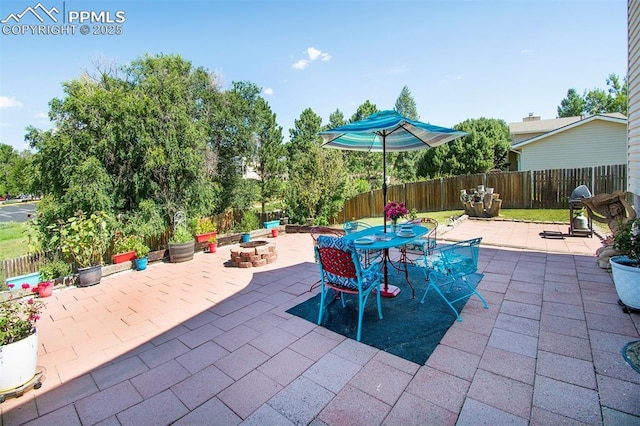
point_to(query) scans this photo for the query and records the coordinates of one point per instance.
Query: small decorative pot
(213, 247)
(141, 263)
(274, 232)
(245, 237)
(45, 289)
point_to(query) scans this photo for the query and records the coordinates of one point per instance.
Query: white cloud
(313, 54)
(268, 91)
(6, 102)
(525, 51)
(301, 64)
(42, 115)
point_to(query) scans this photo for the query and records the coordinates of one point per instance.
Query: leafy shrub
(85, 238)
(249, 221)
(181, 235)
(204, 225)
(53, 269)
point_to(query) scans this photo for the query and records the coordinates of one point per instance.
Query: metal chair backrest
(339, 261)
(461, 258)
(354, 226)
(432, 235)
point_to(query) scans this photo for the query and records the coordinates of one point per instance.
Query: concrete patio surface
(200, 343)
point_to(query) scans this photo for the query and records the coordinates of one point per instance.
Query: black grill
(575, 203)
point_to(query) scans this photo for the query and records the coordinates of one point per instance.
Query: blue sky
(459, 59)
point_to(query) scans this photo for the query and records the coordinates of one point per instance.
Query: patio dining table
(375, 238)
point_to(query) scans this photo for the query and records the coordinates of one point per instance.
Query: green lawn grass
(14, 241)
(537, 215)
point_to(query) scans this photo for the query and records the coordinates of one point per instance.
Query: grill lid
(580, 192)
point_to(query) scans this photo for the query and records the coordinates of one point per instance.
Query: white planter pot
(627, 280)
(18, 362)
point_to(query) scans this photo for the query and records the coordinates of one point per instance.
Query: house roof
(615, 117)
(543, 126)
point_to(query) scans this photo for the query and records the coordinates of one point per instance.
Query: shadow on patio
(198, 342)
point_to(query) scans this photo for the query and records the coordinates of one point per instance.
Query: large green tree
(271, 164)
(404, 164)
(234, 124)
(597, 100)
(484, 148)
(139, 134)
(17, 172)
(317, 178)
(571, 106)
(361, 164)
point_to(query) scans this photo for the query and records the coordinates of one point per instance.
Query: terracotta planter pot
(45, 290)
(123, 257)
(181, 252)
(89, 276)
(201, 238)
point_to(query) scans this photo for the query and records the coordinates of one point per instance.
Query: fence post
(441, 192)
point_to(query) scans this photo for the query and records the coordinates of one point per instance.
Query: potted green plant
(141, 251)
(626, 268)
(213, 244)
(248, 223)
(85, 239)
(123, 247)
(49, 272)
(205, 228)
(181, 245)
(18, 337)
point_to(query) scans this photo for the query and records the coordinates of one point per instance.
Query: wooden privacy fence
(547, 189)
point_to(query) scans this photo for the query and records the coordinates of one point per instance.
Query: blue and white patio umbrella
(387, 131)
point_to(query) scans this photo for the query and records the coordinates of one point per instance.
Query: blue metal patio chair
(354, 226)
(341, 271)
(449, 264)
(425, 244)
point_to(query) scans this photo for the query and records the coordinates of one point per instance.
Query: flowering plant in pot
(18, 338)
(44, 288)
(626, 268)
(394, 211)
(204, 229)
(18, 316)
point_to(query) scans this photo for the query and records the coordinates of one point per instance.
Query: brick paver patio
(201, 343)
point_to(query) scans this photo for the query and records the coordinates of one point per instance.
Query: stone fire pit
(254, 254)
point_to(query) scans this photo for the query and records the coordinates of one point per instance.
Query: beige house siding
(597, 143)
(633, 161)
(524, 136)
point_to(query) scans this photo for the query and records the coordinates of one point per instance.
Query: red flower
(25, 286)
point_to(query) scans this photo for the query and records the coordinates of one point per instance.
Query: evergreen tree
(404, 163)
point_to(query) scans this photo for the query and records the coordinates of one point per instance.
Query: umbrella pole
(387, 290)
